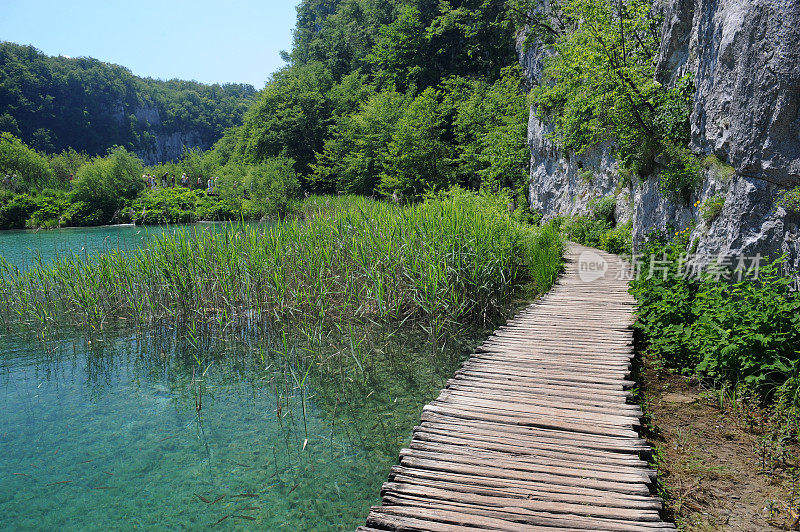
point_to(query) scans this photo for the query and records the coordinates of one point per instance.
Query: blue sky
(212, 42)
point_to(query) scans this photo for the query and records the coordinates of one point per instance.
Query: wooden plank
(571, 454)
(534, 431)
(470, 482)
(439, 463)
(477, 515)
(578, 405)
(486, 485)
(526, 505)
(540, 434)
(466, 413)
(445, 453)
(552, 411)
(531, 461)
(533, 378)
(607, 393)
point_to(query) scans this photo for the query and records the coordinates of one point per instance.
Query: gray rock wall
(745, 56)
(165, 145)
(170, 146)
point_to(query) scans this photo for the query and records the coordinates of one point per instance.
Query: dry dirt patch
(711, 462)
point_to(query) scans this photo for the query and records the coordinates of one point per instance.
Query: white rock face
(165, 145)
(149, 115)
(170, 146)
(745, 55)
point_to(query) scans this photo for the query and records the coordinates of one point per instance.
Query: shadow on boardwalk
(535, 431)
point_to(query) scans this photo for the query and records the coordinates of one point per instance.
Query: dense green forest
(56, 103)
(394, 97)
(376, 98)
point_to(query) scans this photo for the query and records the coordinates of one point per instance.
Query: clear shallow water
(291, 435)
(108, 434)
(21, 248)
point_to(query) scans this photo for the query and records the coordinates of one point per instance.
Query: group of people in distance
(9, 180)
(168, 180)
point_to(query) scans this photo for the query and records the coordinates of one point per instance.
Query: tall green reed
(451, 258)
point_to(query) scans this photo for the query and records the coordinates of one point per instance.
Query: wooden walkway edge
(535, 431)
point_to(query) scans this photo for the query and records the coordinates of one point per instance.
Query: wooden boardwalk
(535, 431)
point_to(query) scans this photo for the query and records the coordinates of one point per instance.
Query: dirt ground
(711, 460)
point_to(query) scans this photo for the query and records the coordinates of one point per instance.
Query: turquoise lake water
(144, 431)
(21, 248)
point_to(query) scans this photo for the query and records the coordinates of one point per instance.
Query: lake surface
(165, 430)
(146, 431)
(22, 247)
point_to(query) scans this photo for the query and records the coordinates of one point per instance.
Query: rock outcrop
(745, 58)
(164, 144)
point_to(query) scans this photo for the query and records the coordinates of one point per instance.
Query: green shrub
(273, 186)
(32, 170)
(680, 172)
(218, 208)
(15, 213)
(165, 206)
(80, 214)
(618, 240)
(5, 196)
(745, 331)
(526, 215)
(790, 199)
(66, 164)
(604, 208)
(711, 208)
(584, 230)
(50, 208)
(718, 169)
(107, 184)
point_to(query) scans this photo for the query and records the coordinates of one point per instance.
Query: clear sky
(235, 41)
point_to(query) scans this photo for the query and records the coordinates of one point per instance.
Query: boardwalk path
(535, 431)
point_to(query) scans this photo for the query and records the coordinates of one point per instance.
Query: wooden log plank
(438, 464)
(460, 455)
(457, 393)
(469, 513)
(523, 505)
(604, 393)
(550, 411)
(577, 495)
(534, 432)
(538, 461)
(585, 458)
(574, 493)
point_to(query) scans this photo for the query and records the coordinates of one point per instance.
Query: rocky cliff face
(745, 56)
(169, 146)
(162, 144)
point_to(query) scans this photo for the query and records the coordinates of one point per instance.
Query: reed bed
(452, 258)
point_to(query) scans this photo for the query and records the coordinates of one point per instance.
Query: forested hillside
(55, 103)
(394, 96)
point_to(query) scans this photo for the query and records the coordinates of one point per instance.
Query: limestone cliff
(164, 143)
(745, 57)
